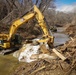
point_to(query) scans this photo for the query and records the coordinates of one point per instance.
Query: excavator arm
(18, 23)
(46, 34)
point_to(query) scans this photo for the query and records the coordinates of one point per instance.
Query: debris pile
(43, 65)
(69, 49)
(63, 61)
(71, 30)
(32, 51)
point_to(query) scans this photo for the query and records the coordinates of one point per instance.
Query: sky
(66, 1)
(65, 5)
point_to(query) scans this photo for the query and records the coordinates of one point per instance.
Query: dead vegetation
(71, 30)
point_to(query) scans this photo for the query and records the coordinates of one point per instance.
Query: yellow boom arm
(48, 37)
(18, 23)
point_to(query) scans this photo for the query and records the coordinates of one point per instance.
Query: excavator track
(8, 51)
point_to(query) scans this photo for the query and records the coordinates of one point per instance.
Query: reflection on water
(60, 38)
(60, 29)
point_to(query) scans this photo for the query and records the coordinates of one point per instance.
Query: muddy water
(60, 38)
(8, 64)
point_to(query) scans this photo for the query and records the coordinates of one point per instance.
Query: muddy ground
(52, 67)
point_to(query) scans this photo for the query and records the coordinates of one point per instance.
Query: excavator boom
(18, 23)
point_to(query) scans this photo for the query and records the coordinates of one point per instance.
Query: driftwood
(59, 54)
(44, 50)
(38, 69)
(42, 56)
(73, 66)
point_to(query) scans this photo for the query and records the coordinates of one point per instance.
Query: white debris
(16, 54)
(26, 54)
(47, 47)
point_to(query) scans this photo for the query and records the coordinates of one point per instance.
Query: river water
(8, 63)
(60, 38)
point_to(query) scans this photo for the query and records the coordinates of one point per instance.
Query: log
(38, 69)
(59, 54)
(44, 49)
(43, 56)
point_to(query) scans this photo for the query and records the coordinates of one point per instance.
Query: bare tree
(16, 8)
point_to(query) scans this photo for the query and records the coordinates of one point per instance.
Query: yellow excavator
(11, 40)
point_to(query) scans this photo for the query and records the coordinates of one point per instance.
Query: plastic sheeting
(26, 54)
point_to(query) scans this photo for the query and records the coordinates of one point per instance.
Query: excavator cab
(16, 40)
